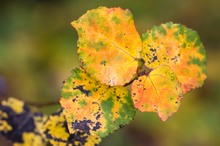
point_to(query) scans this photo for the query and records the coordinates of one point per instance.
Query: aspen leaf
(159, 91)
(20, 125)
(58, 134)
(178, 47)
(108, 45)
(95, 108)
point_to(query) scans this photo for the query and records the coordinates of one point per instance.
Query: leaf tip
(164, 119)
(73, 23)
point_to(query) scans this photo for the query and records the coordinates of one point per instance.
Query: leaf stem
(142, 70)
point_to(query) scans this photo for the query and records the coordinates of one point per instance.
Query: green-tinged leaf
(57, 133)
(159, 91)
(20, 125)
(108, 45)
(94, 108)
(178, 47)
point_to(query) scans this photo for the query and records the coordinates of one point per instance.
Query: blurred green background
(38, 50)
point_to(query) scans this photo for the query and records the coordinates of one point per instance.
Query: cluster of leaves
(165, 63)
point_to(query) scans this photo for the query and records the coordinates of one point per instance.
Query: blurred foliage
(38, 51)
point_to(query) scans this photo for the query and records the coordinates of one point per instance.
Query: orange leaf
(159, 91)
(178, 47)
(108, 45)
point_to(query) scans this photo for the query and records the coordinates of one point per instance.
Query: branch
(36, 104)
(40, 105)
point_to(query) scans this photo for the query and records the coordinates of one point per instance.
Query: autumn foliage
(161, 66)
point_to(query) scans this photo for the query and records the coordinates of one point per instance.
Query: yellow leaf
(159, 91)
(94, 108)
(15, 104)
(178, 47)
(108, 45)
(30, 139)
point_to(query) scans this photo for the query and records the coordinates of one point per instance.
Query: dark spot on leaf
(83, 125)
(175, 58)
(154, 58)
(103, 63)
(97, 126)
(98, 116)
(78, 136)
(80, 87)
(152, 50)
(121, 126)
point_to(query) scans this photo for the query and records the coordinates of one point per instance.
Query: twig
(36, 104)
(40, 105)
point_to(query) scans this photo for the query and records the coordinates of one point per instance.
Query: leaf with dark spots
(108, 55)
(99, 114)
(158, 92)
(177, 47)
